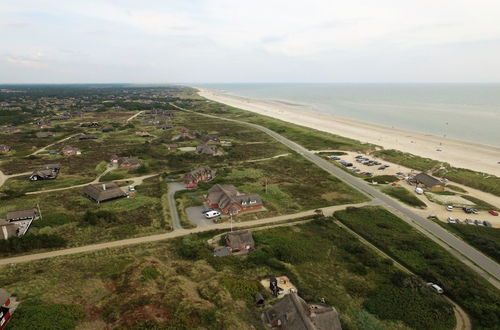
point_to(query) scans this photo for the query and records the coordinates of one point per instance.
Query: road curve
(483, 265)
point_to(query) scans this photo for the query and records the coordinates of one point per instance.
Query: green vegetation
(456, 188)
(383, 179)
(46, 317)
(125, 287)
(427, 259)
(404, 196)
(484, 239)
(407, 159)
(30, 242)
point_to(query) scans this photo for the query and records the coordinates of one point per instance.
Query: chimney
(103, 186)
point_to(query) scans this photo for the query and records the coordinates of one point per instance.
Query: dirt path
(50, 145)
(463, 320)
(264, 159)
(176, 233)
(135, 181)
(4, 178)
(132, 117)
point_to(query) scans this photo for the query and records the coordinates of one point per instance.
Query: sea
(466, 112)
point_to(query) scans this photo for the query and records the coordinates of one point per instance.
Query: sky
(202, 41)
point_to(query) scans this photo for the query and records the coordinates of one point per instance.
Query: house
(17, 223)
(125, 162)
(205, 149)
(143, 134)
(8, 305)
(42, 135)
(190, 134)
(210, 138)
(240, 240)
(4, 148)
(164, 127)
(230, 201)
(47, 172)
(70, 151)
(429, 182)
(292, 312)
(108, 129)
(202, 174)
(173, 146)
(21, 215)
(90, 124)
(88, 137)
(102, 192)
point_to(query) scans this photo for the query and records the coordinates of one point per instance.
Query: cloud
(31, 61)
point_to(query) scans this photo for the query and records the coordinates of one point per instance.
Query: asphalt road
(476, 260)
(174, 214)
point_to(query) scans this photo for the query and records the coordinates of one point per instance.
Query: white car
(212, 214)
(451, 220)
(435, 287)
(449, 208)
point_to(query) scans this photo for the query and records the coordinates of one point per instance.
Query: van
(436, 288)
(212, 214)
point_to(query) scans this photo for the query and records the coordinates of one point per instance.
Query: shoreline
(462, 154)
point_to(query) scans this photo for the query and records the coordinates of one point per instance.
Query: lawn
(178, 284)
(293, 185)
(429, 260)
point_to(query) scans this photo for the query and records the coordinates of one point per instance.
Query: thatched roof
(223, 195)
(427, 180)
(293, 313)
(240, 239)
(21, 214)
(101, 192)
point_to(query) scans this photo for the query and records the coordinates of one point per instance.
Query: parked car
(474, 211)
(487, 224)
(459, 221)
(451, 220)
(449, 208)
(212, 214)
(467, 210)
(469, 221)
(493, 212)
(435, 287)
(478, 223)
(334, 158)
(419, 191)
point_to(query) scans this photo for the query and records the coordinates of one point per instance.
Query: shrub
(46, 317)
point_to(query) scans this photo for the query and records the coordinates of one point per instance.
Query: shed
(19, 215)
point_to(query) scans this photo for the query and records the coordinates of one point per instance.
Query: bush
(383, 179)
(99, 218)
(46, 317)
(31, 242)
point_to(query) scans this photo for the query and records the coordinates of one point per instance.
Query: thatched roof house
(240, 240)
(101, 192)
(293, 313)
(231, 201)
(428, 181)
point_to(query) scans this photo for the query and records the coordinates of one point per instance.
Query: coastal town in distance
(249, 165)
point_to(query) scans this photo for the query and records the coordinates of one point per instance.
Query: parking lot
(195, 216)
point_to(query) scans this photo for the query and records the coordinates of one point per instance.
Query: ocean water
(467, 112)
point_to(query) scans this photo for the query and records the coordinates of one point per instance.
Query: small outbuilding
(102, 192)
(48, 172)
(4, 148)
(21, 215)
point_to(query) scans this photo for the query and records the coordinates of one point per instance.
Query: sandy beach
(457, 153)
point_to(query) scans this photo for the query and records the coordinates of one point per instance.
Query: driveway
(195, 216)
(174, 214)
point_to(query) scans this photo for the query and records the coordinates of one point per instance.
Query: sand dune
(458, 153)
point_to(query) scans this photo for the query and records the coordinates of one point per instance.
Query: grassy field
(427, 259)
(178, 284)
(69, 217)
(487, 240)
(404, 196)
(293, 185)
